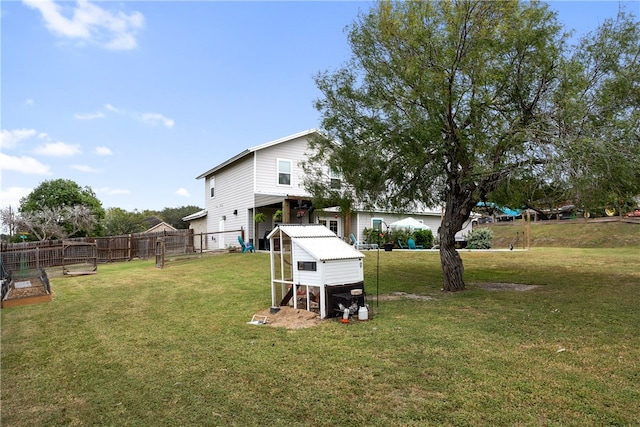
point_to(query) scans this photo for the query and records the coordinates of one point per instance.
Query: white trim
(278, 160)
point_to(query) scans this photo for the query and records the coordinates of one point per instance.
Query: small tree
(480, 238)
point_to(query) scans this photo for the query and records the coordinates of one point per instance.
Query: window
(333, 226)
(376, 224)
(307, 265)
(284, 172)
(212, 186)
(336, 179)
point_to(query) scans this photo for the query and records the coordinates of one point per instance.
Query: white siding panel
(343, 271)
(234, 191)
(267, 169)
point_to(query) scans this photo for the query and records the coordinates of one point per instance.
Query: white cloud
(23, 164)
(10, 138)
(111, 108)
(89, 116)
(58, 149)
(11, 196)
(29, 102)
(183, 192)
(154, 119)
(90, 23)
(103, 151)
(85, 168)
(112, 191)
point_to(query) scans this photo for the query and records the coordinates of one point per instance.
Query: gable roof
(161, 226)
(253, 150)
(318, 241)
(199, 214)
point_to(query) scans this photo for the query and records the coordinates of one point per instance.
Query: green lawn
(136, 345)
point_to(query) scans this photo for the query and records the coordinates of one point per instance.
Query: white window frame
(278, 172)
(212, 187)
(333, 177)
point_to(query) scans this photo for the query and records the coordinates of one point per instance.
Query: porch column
(286, 211)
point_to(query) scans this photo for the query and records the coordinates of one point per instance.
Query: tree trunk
(452, 268)
(457, 210)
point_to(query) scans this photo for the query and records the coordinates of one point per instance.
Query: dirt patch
(400, 295)
(507, 287)
(291, 318)
(31, 287)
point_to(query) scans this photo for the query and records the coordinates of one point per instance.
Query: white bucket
(363, 313)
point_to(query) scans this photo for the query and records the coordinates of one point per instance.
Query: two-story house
(266, 179)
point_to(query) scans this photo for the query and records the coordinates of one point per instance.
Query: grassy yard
(568, 234)
(138, 346)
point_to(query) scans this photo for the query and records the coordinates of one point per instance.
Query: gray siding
(233, 192)
(267, 169)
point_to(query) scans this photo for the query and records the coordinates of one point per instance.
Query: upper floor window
(212, 186)
(336, 179)
(284, 172)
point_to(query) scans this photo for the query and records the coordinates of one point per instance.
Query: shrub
(424, 238)
(480, 238)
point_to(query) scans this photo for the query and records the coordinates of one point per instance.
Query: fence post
(37, 258)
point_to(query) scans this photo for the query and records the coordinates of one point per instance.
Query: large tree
(443, 101)
(61, 208)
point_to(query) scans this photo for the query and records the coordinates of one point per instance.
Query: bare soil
(35, 290)
(507, 287)
(291, 318)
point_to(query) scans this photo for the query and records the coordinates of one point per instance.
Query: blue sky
(136, 99)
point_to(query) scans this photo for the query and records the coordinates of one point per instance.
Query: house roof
(253, 150)
(199, 214)
(318, 241)
(161, 226)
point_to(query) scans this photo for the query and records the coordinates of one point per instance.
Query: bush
(424, 238)
(480, 238)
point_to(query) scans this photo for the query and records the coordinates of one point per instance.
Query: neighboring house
(198, 223)
(268, 178)
(161, 226)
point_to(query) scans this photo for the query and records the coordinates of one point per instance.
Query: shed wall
(338, 272)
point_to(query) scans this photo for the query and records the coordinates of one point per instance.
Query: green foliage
(260, 217)
(173, 216)
(424, 238)
(54, 198)
(118, 222)
(444, 102)
(480, 238)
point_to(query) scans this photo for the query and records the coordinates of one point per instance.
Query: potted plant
(277, 216)
(260, 217)
(388, 241)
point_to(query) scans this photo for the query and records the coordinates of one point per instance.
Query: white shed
(310, 262)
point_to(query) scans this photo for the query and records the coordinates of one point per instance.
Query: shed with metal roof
(312, 263)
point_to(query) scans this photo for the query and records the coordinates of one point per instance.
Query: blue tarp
(506, 211)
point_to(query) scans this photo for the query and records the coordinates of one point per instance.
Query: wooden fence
(58, 255)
